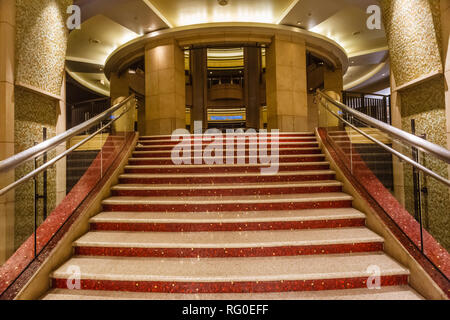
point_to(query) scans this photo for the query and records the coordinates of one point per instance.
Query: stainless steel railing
(48, 145)
(409, 139)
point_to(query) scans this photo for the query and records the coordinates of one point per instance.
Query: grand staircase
(228, 232)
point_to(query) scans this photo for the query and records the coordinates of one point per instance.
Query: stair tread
(230, 270)
(331, 196)
(228, 217)
(312, 155)
(226, 174)
(234, 146)
(131, 187)
(184, 166)
(281, 134)
(256, 150)
(385, 293)
(235, 239)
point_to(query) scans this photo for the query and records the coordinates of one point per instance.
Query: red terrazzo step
(142, 190)
(225, 275)
(209, 178)
(235, 203)
(222, 146)
(282, 159)
(269, 134)
(228, 244)
(285, 151)
(235, 140)
(227, 221)
(172, 169)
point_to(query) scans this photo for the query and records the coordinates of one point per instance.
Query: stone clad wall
(416, 50)
(41, 40)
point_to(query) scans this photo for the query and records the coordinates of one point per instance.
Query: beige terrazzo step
(271, 185)
(228, 217)
(241, 239)
(318, 197)
(385, 293)
(184, 166)
(228, 175)
(234, 145)
(281, 134)
(255, 151)
(260, 269)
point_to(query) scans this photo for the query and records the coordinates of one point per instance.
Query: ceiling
(107, 24)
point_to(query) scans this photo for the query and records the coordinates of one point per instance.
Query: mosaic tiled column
(7, 32)
(415, 42)
(41, 41)
(165, 92)
(445, 18)
(287, 100)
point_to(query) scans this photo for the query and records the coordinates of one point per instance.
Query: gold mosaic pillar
(165, 92)
(287, 98)
(414, 35)
(7, 44)
(445, 18)
(41, 41)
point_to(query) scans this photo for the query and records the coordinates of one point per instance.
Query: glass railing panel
(417, 202)
(60, 189)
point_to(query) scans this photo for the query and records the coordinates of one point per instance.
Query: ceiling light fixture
(223, 2)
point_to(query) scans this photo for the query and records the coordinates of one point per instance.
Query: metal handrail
(410, 139)
(50, 163)
(34, 152)
(394, 152)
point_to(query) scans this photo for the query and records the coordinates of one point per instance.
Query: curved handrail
(408, 138)
(34, 152)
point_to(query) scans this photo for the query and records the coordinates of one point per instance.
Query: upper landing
(227, 34)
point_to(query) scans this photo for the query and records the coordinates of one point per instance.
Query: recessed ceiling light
(299, 22)
(94, 41)
(223, 2)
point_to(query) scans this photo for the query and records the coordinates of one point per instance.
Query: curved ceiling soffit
(218, 33)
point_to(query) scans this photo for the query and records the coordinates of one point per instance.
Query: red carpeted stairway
(228, 232)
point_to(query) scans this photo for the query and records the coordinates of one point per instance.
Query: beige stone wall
(287, 99)
(40, 42)
(333, 86)
(165, 91)
(7, 34)
(417, 45)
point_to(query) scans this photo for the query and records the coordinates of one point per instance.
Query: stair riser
(174, 143)
(210, 227)
(167, 154)
(232, 287)
(224, 192)
(229, 252)
(150, 162)
(226, 207)
(281, 136)
(230, 169)
(224, 148)
(225, 179)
